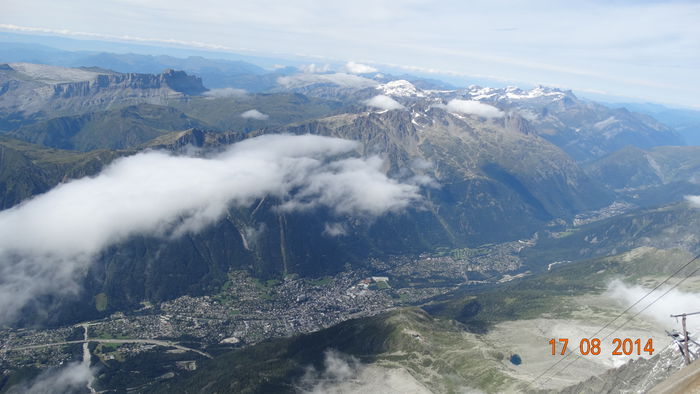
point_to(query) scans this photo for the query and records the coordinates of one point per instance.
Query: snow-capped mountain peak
(513, 93)
(539, 91)
(400, 88)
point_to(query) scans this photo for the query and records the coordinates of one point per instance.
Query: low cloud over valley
(46, 243)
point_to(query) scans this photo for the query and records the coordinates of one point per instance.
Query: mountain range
(484, 178)
(598, 189)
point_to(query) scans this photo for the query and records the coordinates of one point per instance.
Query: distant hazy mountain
(582, 128)
(30, 91)
(215, 73)
(685, 121)
(632, 167)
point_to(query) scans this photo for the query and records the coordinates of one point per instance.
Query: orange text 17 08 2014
(591, 346)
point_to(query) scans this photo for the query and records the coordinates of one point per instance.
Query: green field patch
(321, 281)
(108, 347)
(101, 302)
(383, 285)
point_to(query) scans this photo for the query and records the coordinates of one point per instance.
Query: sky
(644, 50)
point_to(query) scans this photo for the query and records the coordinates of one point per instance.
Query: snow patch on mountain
(479, 93)
(513, 93)
(604, 123)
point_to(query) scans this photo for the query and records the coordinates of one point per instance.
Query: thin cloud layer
(693, 200)
(67, 379)
(335, 229)
(470, 107)
(359, 68)
(340, 79)
(315, 68)
(225, 92)
(47, 242)
(254, 114)
(383, 102)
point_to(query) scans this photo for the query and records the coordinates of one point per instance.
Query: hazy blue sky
(644, 49)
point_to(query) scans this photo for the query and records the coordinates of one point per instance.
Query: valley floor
(180, 334)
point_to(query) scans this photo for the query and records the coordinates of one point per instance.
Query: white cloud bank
(383, 102)
(254, 114)
(67, 379)
(225, 92)
(470, 107)
(48, 241)
(359, 68)
(675, 302)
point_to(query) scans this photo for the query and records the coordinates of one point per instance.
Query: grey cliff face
(31, 89)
